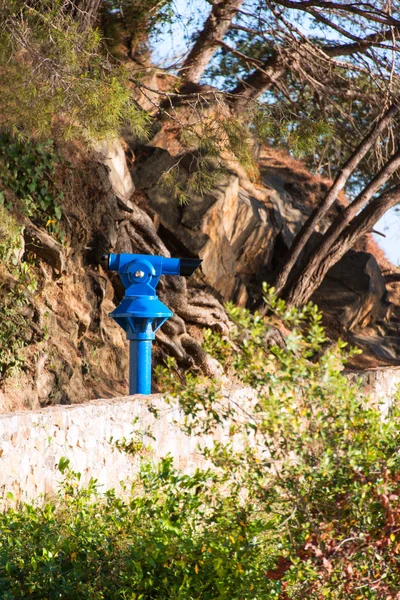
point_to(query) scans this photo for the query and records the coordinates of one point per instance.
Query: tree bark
(308, 282)
(341, 179)
(207, 43)
(344, 219)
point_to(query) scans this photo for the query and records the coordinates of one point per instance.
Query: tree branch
(268, 73)
(376, 15)
(312, 271)
(260, 80)
(207, 43)
(359, 46)
(250, 60)
(362, 224)
(341, 179)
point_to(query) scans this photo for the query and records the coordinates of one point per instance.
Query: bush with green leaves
(27, 170)
(301, 498)
(316, 456)
(176, 537)
(52, 65)
(17, 284)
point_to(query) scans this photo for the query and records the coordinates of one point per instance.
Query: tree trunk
(207, 43)
(308, 282)
(345, 218)
(310, 225)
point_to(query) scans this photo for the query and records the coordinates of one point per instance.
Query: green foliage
(27, 169)
(10, 237)
(210, 146)
(240, 144)
(17, 283)
(51, 65)
(108, 107)
(176, 537)
(201, 181)
(311, 450)
(302, 137)
(14, 330)
(173, 183)
(333, 124)
(301, 498)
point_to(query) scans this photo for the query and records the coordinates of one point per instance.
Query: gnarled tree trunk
(309, 280)
(341, 179)
(87, 12)
(207, 42)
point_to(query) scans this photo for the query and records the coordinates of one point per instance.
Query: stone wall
(32, 442)
(382, 384)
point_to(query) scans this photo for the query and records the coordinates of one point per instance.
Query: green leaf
(63, 464)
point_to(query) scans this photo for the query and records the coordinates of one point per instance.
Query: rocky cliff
(241, 228)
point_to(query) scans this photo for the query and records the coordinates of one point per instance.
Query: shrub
(27, 170)
(301, 499)
(317, 458)
(178, 536)
(49, 63)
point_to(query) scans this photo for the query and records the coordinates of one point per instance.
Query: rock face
(242, 234)
(240, 230)
(230, 230)
(356, 305)
(235, 228)
(355, 291)
(294, 193)
(112, 155)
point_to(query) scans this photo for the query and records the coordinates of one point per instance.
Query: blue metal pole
(140, 367)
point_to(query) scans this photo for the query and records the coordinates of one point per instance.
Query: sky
(172, 43)
(389, 225)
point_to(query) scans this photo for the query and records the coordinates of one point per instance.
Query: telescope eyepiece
(158, 265)
(189, 265)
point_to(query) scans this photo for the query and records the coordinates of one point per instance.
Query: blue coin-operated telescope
(141, 313)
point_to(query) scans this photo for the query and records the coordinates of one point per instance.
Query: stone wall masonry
(32, 443)
(382, 384)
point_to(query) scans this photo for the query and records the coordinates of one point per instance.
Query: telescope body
(141, 313)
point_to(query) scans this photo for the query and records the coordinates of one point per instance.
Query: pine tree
(317, 77)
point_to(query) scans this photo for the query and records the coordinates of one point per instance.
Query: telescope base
(140, 366)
